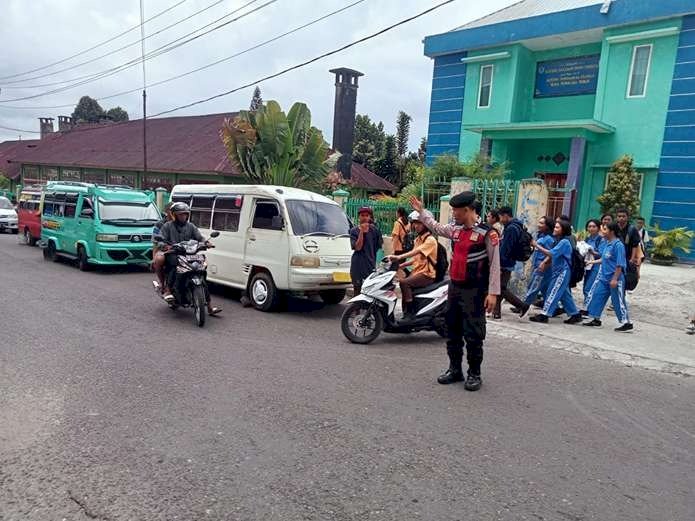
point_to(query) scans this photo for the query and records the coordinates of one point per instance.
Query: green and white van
(97, 225)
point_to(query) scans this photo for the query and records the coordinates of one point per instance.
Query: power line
(212, 64)
(94, 46)
(153, 54)
(20, 130)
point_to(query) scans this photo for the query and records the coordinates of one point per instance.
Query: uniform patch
(494, 238)
(474, 236)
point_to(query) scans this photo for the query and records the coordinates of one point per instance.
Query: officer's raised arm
(443, 230)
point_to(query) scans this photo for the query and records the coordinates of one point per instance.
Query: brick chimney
(46, 126)
(65, 123)
(344, 116)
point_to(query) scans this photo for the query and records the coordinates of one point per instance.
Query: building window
(152, 182)
(639, 71)
(122, 179)
(97, 177)
(485, 92)
(69, 174)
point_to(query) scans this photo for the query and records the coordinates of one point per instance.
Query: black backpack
(441, 267)
(577, 268)
(523, 249)
(408, 242)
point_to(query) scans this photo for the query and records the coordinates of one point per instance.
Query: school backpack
(441, 267)
(577, 268)
(523, 249)
(408, 242)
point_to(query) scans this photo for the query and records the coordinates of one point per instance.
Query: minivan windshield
(5, 204)
(119, 212)
(311, 217)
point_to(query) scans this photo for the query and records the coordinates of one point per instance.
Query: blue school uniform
(559, 289)
(613, 257)
(598, 244)
(540, 280)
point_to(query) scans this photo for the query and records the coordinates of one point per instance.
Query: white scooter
(374, 309)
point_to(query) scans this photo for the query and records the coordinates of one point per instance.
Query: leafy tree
(117, 114)
(369, 141)
(623, 187)
(387, 166)
(88, 110)
(257, 100)
(402, 133)
(4, 183)
(422, 150)
(446, 167)
(271, 147)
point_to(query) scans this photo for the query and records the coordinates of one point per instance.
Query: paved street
(112, 407)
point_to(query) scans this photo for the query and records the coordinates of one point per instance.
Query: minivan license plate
(340, 276)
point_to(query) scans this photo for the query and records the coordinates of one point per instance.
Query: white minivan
(272, 240)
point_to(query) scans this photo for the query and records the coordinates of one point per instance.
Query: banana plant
(270, 147)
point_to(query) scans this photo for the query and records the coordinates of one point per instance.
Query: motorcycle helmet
(177, 208)
(414, 216)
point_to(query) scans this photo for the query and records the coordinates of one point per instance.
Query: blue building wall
(674, 201)
(446, 106)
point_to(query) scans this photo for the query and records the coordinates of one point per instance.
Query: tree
(422, 150)
(117, 114)
(623, 187)
(271, 147)
(4, 182)
(369, 141)
(387, 166)
(88, 110)
(256, 100)
(402, 133)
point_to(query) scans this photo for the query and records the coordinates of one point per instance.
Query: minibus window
(316, 217)
(201, 210)
(263, 216)
(225, 217)
(71, 205)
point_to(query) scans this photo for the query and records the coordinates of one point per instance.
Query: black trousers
(466, 325)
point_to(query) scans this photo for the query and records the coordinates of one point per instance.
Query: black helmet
(177, 208)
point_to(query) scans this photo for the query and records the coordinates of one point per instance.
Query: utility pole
(144, 88)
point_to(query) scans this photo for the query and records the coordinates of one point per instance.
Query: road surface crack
(87, 511)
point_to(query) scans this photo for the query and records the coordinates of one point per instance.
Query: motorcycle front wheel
(361, 323)
(200, 306)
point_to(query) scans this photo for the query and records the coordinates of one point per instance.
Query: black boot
(473, 382)
(451, 375)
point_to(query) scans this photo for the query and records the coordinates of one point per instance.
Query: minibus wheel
(28, 239)
(332, 296)
(49, 252)
(82, 259)
(264, 295)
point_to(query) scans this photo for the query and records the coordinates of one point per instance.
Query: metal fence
(384, 212)
(496, 193)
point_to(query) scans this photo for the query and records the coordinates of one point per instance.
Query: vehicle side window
(70, 205)
(48, 206)
(264, 215)
(201, 210)
(225, 217)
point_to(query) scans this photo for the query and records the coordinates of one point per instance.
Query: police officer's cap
(462, 200)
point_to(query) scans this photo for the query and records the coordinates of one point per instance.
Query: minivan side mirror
(214, 234)
(278, 223)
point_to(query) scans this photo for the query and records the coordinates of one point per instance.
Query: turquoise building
(562, 89)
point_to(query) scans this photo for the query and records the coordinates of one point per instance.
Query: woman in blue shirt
(559, 289)
(542, 274)
(610, 282)
(595, 240)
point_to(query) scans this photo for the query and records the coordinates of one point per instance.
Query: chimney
(344, 116)
(46, 126)
(65, 123)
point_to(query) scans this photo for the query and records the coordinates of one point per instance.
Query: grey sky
(397, 75)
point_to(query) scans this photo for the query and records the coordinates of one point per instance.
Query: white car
(8, 216)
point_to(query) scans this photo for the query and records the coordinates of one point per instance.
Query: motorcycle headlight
(107, 237)
(305, 261)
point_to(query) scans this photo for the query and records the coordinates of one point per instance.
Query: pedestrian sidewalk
(659, 308)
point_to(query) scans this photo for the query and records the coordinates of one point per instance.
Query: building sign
(567, 76)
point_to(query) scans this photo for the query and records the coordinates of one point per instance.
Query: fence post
(341, 197)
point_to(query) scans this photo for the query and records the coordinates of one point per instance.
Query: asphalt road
(113, 407)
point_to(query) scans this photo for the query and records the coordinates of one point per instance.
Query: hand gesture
(490, 303)
(364, 227)
(416, 204)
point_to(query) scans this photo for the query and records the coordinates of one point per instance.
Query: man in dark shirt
(632, 240)
(511, 238)
(366, 240)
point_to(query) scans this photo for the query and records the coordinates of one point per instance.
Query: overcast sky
(397, 74)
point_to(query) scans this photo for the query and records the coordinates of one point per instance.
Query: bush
(623, 188)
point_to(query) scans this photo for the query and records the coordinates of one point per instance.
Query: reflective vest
(470, 265)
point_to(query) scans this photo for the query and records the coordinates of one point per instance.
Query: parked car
(29, 215)
(273, 240)
(97, 225)
(8, 216)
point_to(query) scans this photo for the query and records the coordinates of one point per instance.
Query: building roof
(185, 144)
(527, 9)
(9, 150)
(362, 177)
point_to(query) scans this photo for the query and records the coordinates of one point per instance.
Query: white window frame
(632, 70)
(491, 66)
(641, 182)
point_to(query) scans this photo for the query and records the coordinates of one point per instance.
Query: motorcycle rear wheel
(200, 306)
(361, 316)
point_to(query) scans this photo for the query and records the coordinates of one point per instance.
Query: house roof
(186, 144)
(362, 177)
(9, 150)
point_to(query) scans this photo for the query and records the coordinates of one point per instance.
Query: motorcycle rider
(474, 287)
(180, 229)
(423, 259)
(158, 256)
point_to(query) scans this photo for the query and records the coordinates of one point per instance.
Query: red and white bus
(29, 215)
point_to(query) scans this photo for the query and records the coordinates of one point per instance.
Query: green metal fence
(496, 193)
(384, 212)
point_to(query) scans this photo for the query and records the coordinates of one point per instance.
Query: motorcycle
(373, 311)
(189, 281)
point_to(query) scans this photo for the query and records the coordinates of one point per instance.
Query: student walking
(610, 283)
(510, 252)
(595, 240)
(541, 274)
(559, 290)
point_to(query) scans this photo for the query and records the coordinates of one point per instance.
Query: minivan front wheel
(263, 293)
(49, 252)
(82, 259)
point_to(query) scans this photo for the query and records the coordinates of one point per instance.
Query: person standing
(365, 240)
(643, 233)
(493, 221)
(541, 274)
(401, 228)
(610, 282)
(474, 285)
(630, 237)
(511, 243)
(596, 242)
(559, 290)
(606, 219)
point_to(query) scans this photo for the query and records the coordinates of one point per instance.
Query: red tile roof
(9, 150)
(185, 144)
(362, 177)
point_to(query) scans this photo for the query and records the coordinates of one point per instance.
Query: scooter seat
(431, 287)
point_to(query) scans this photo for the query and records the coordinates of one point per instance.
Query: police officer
(474, 287)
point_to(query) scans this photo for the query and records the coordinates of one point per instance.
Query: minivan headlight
(107, 237)
(305, 261)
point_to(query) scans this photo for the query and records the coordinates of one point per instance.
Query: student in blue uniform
(559, 289)
(542, 274)
(610, 282)
(595, 240)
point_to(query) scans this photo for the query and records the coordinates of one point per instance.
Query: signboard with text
(567, 76)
